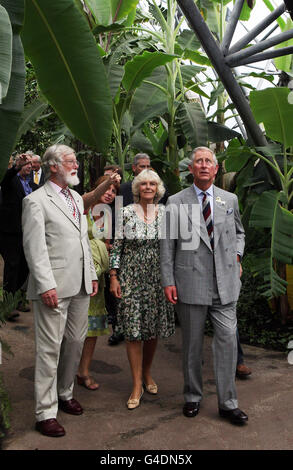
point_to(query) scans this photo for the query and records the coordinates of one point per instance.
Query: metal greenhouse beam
(260, 46)
(258, 29)
(235, 62)
(235, 15)
(217, 58)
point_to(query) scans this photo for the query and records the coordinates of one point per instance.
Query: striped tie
(207, 215)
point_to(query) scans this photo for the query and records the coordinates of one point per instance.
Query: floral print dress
(143, 312)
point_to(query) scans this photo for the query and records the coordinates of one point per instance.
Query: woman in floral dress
(97, 313)
(143, 313)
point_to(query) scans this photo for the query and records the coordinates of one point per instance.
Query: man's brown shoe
(242, 371)
(70, 406)
(50, 428)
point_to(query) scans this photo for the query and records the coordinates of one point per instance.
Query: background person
(97, 313)
(15, 185)
(143, 315)
(37, 174)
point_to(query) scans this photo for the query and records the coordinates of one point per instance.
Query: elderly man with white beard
(62, 279)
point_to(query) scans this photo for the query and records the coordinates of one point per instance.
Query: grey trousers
(60, 334)
(192, 320)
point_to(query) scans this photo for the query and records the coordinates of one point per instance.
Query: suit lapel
(60, 204)
(219, 215)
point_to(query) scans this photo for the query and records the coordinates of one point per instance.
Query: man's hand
(95, 288)
(115, 177)
(50, 298)
(22, 160)
(171, 294)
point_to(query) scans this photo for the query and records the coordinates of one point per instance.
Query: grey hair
(140, 156)
(148, 175)
(54, 156)
(34, 155)
(206, 149)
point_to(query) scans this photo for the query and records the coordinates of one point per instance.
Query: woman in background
(98, 225)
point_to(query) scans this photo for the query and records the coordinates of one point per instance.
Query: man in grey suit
(62, 278)
(201, 269)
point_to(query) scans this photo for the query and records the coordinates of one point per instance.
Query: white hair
(142, 177)
(54, 156)
(204, 149)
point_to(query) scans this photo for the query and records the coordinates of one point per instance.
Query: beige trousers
(59, 334)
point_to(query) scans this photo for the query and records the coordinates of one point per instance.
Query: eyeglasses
(71, 162)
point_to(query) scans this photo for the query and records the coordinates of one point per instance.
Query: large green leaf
(107, 12)
(30, 115)
(149, 100)
(268, 213)
(5, 52)
(142, 66)
(284, 62)
(70, 73)
(271, 107)
(219, 133)
(188, 40)
(12, 105)
(192, 121)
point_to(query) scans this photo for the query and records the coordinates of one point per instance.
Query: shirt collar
(209, 191)
(56, 187)
(26, 179)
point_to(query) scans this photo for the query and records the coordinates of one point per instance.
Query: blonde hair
(148, 175)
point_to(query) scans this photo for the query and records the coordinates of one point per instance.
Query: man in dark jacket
(15, 186)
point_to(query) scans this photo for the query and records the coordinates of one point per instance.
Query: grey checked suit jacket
(191, 270)
(57, 249)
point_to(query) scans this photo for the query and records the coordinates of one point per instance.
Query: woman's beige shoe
(151, 388)
(134, 402)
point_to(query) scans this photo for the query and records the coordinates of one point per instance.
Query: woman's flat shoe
(134, 402)
(88, 382)
(151, 388)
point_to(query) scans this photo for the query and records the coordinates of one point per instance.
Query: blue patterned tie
(207, 215)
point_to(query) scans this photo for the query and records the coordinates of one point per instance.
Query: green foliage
(12, 105)
(5, 51)
(258, 323)
(271, 107)
(5, 408)
(8, 302)
(70, 72)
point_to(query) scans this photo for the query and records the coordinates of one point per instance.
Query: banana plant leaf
(192, 121)
(106, 12)
(269, 214)
(5, 52)
(272, 107)
(142, 66)
(12, 106)
(30, 115)
(69, 70)
(148, 99)
(219, 132)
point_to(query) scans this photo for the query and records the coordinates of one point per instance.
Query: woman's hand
(115, 288)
